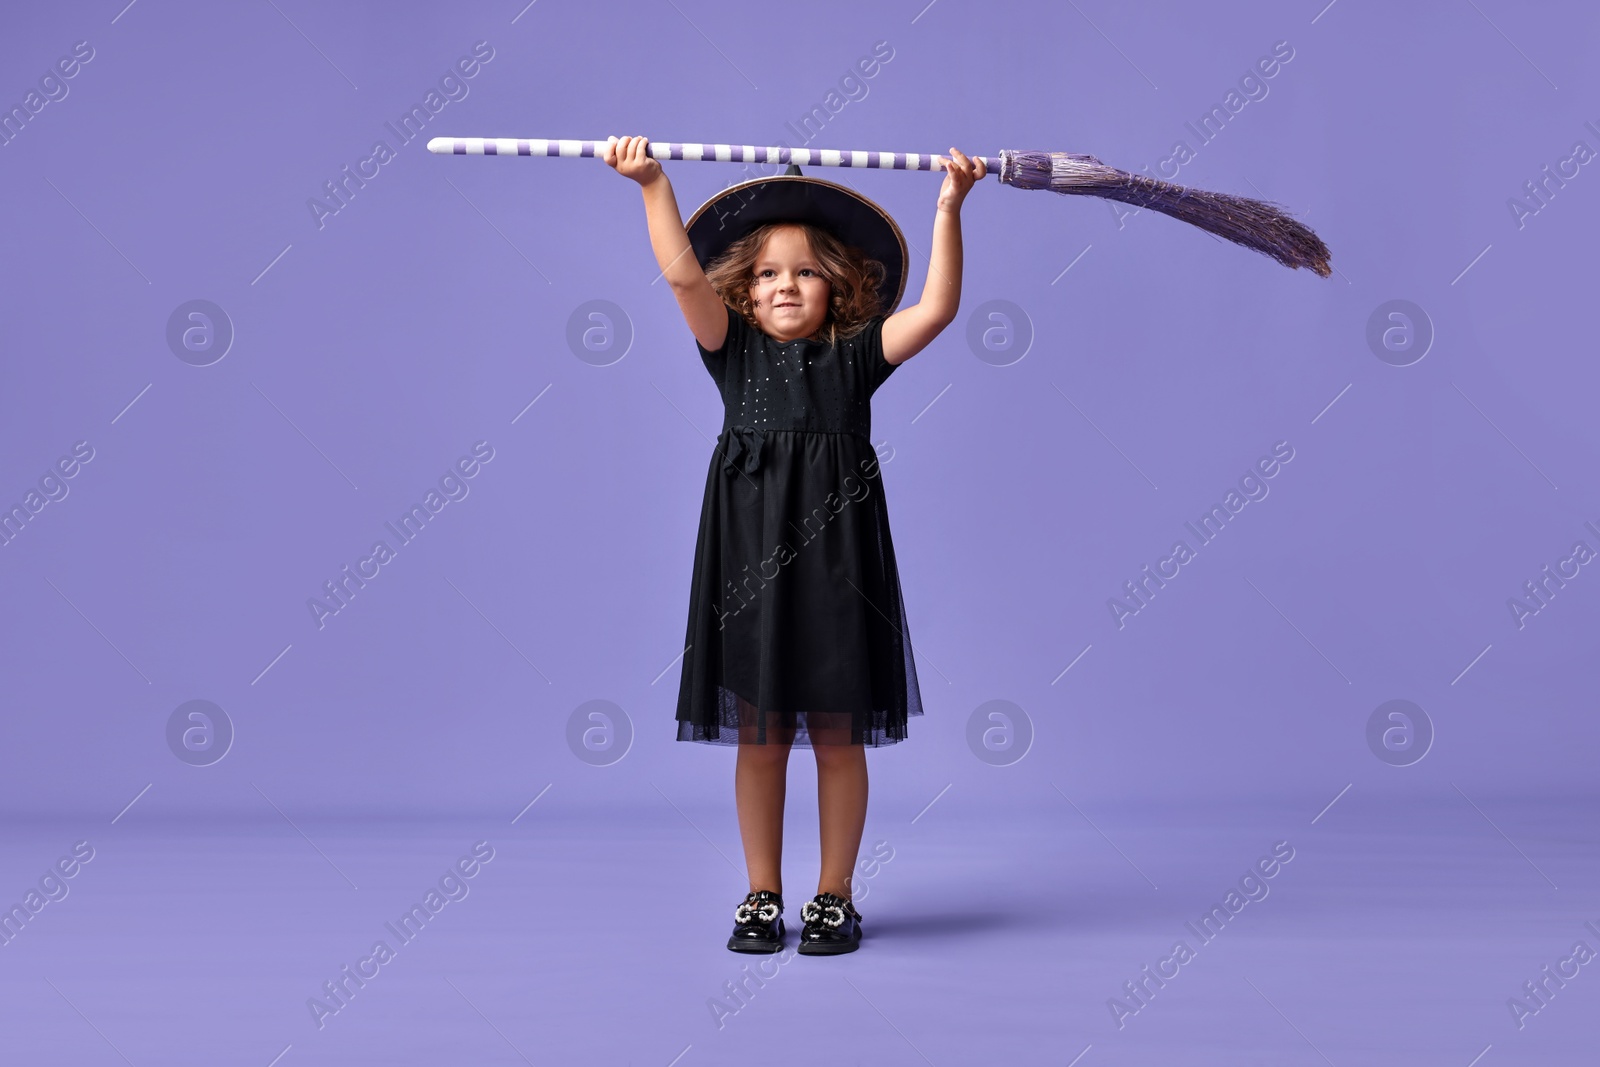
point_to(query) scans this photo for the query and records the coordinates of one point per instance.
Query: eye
(764, 273)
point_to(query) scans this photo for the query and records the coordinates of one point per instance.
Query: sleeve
(878, 369)
(733, 343)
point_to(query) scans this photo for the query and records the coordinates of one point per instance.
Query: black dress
(797, 630)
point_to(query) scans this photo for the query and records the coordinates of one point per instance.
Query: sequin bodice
(800, 384)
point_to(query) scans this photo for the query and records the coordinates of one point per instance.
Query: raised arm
(702, 307)
(910, 330)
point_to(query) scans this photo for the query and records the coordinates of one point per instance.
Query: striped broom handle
(724, 153)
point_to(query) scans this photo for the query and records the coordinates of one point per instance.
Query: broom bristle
(1255, 224)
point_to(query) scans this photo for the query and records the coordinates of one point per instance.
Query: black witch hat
(793, 197)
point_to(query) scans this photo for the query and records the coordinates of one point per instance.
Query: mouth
(786, 304)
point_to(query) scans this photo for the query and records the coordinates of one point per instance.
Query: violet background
(433, 309)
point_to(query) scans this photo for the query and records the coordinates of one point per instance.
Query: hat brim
(841, 211)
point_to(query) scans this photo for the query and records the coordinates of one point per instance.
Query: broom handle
(724, 153)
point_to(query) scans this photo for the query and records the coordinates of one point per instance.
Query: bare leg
(760, 781)
(841, 811)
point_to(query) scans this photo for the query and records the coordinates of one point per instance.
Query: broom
(1256, 224)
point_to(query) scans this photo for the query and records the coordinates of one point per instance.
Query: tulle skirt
(797, 629)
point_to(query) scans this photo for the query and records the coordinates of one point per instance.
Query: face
(788, 289)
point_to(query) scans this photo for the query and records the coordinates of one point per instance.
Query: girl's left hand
(958, 178)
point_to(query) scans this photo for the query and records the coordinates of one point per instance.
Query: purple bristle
(1252, 223)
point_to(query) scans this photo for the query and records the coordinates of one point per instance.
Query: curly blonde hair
(852, 278)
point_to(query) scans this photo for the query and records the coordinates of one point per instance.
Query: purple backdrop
(242, 343)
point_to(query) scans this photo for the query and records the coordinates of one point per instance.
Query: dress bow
(743, 450)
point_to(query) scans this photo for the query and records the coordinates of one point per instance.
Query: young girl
(797, 632)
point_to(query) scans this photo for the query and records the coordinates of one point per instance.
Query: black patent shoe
(758, 923)
(832, 926)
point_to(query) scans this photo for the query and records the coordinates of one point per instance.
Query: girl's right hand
(628, 156)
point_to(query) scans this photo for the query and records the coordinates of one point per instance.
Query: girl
(797, 632)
